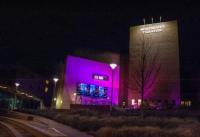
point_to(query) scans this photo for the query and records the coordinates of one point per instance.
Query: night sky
(39, 35)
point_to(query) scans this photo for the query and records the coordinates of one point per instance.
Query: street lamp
(75, 95)
(55, 80)
(17, 84)
(15, 99)
(113, 66)
(54, 93)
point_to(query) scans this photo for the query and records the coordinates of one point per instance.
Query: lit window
(133, 102)
(189, 103)
(182, 102)
(139, 102)
(96, 77)
(101, 78)
(46, 89)
(47, 82)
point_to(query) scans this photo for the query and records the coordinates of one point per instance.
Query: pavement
(53, 127)
(13, 130)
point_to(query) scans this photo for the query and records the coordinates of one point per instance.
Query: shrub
(30, 118)
(91, 121)
(142, 132)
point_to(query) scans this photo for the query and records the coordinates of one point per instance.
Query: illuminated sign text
(153, 29)
(100, 77)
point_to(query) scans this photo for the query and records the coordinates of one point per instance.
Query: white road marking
(58, 131)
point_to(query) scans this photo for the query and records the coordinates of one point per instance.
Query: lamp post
(113, 66)
(54, 94)
(15, 95)
(75, 95)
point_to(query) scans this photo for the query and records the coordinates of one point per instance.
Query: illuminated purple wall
(80, 70)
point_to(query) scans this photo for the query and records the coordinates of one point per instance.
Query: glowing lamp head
(17, 84)
(55, 80)
(54, 99)
(113, 65)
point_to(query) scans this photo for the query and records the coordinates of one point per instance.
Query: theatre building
(152, 61)
(89, 80)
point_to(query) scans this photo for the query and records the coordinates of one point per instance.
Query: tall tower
(154, 62)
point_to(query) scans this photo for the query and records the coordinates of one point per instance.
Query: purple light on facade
(80, 70)
(157, 90)
(175, 94)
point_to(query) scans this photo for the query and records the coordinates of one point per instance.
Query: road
(37, 127)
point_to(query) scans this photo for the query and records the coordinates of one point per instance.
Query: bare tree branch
(146, 65)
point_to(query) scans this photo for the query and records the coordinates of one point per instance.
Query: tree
(146, 66)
